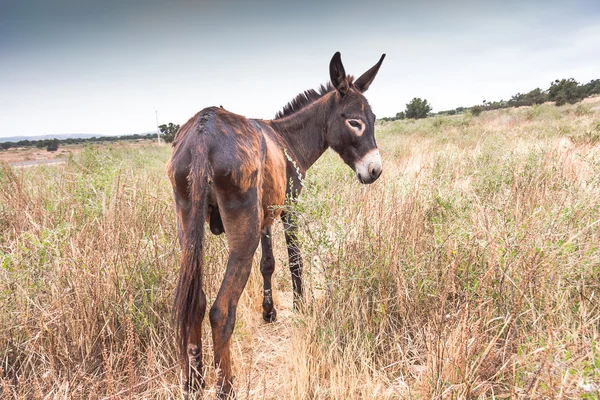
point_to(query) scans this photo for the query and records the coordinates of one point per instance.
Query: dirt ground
(20, 154)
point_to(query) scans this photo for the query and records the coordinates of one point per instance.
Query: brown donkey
(234, 172)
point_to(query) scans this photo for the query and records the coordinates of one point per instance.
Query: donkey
(235, 173)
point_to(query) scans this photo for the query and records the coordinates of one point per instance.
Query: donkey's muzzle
(369, 167)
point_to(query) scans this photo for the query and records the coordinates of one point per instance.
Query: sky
(106, 67)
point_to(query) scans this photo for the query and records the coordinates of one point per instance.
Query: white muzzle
(369, 167)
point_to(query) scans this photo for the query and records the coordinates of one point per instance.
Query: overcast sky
(104, 67)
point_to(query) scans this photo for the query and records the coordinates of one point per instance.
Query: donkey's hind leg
(267, 266)
(241, 218)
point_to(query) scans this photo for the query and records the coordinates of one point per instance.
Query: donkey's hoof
(225, 394)
(194, 385)
(270, 316)
(193, 394)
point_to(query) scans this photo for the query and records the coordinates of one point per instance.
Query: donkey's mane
(307, 97)
(303, 99)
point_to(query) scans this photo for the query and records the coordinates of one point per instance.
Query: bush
(537, 96)
(52, 145)
(476, 110)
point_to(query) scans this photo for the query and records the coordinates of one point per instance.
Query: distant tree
(565, 91)
(417, 108)
(400, 115)
(168, 131)
(6, 145)
(52, 145)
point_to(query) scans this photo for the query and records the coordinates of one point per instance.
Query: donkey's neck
(304, 131)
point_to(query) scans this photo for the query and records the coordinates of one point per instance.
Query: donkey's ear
(365, 79)
(337, 74)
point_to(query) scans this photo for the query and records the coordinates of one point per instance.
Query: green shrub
(476, 110)
(417, 108)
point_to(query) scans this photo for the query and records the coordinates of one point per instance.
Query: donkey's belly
(272, 211)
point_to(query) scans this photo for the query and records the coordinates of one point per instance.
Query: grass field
(470, 269)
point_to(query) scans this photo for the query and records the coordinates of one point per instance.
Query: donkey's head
(351, 124)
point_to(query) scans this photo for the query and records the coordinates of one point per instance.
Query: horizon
(72, 135)
(105, 69)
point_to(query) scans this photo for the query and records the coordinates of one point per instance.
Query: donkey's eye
(354, 124)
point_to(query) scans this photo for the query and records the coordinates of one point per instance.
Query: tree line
(561, 91)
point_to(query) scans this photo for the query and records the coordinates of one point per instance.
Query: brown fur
(236, 173)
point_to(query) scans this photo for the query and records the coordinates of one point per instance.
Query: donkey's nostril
(375, 171)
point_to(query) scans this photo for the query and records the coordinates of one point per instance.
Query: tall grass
(471, 269)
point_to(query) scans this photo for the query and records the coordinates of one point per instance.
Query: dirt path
(265, 354)
(32, 163)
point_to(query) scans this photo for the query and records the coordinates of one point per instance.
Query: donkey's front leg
(267, 266)
(295, 258)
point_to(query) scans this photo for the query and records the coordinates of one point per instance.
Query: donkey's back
(235, 152)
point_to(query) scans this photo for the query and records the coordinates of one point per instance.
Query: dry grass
(471, 269)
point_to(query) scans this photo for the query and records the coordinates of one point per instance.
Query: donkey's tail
(190, 302)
